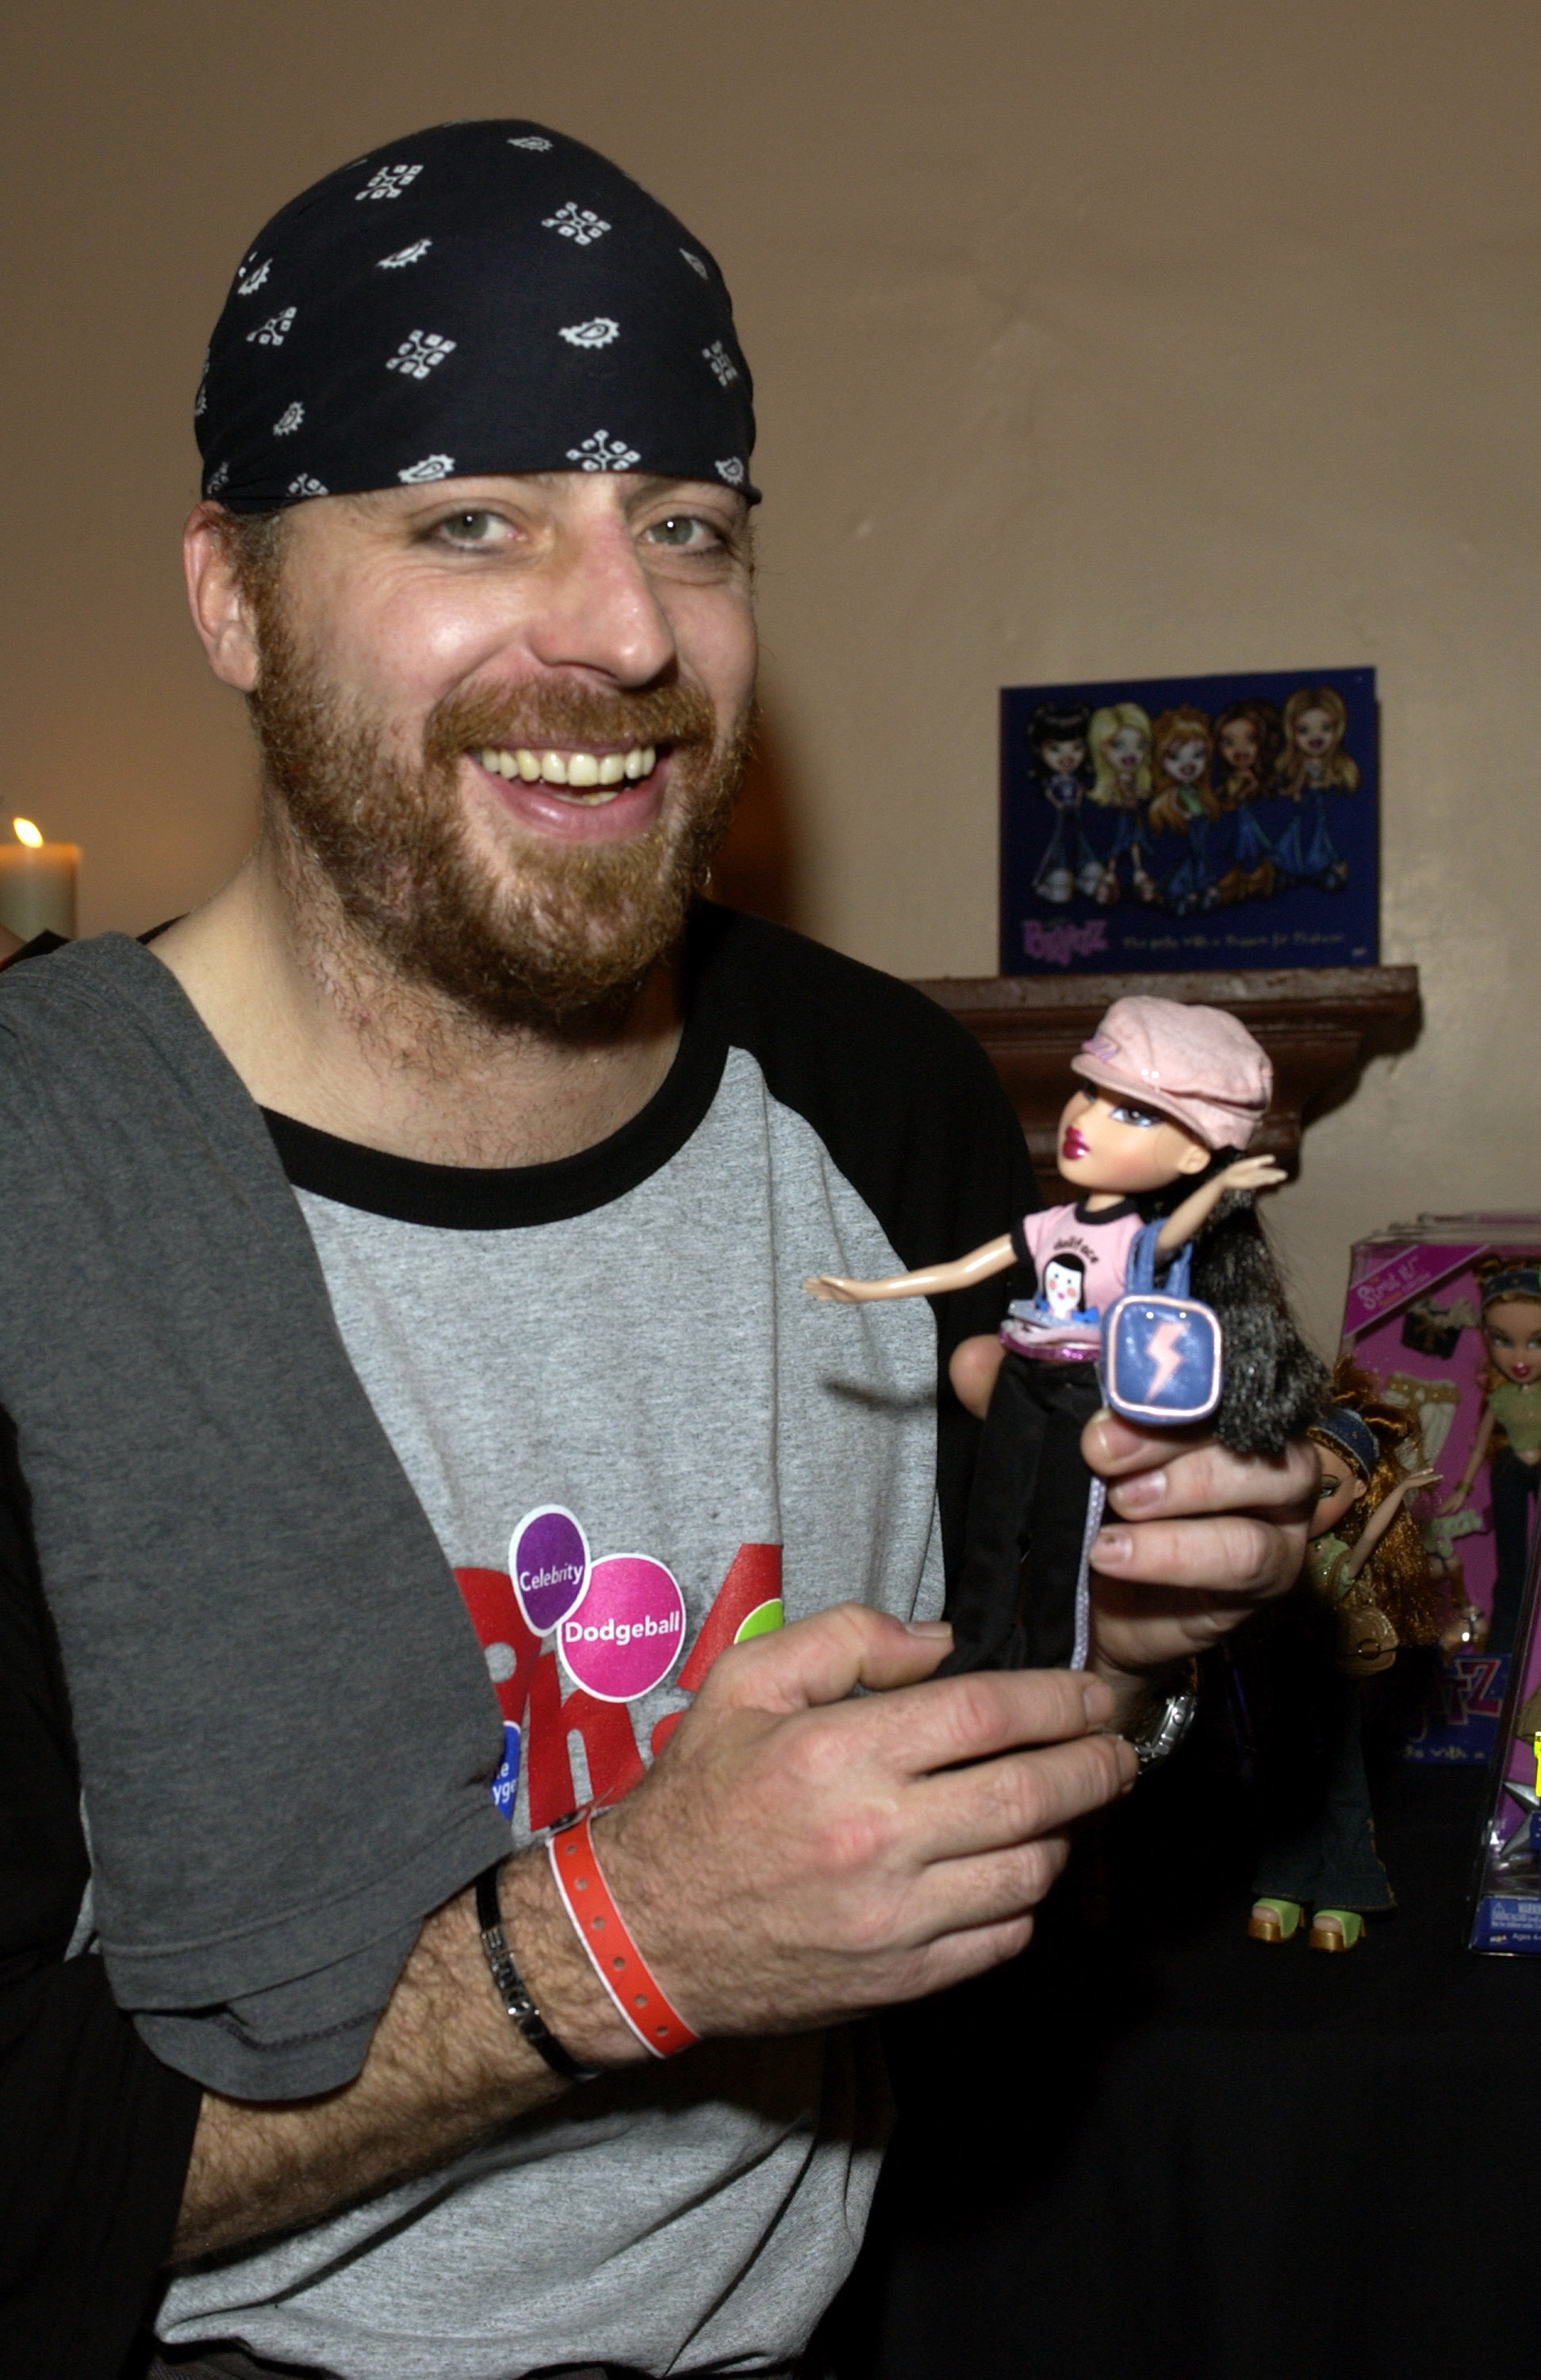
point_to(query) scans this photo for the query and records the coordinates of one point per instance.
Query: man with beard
(415, 1424)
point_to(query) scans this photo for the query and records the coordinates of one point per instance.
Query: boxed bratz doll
(1445, 1313)
(1507, 1915)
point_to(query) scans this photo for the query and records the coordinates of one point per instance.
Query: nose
(599, 614)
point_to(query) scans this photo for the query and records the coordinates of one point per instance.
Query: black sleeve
(96, 2132)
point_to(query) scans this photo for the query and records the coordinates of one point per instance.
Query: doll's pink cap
(1196, 1064)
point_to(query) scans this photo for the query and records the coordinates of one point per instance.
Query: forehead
(1516, 1315)
(540, 493)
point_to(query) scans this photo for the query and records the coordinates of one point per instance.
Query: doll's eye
(1140, 1116)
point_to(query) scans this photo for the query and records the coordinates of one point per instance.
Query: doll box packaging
(1506, 1912)
(1446, 1313)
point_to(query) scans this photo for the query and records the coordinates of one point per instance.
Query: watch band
(512, 1988)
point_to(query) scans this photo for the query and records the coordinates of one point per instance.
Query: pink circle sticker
(629, 1630)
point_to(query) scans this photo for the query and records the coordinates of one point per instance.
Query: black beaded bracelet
(512, 1988)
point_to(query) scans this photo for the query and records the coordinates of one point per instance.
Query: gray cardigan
(285, 1721)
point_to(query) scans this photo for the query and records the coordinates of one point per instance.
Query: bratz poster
(1152, 824)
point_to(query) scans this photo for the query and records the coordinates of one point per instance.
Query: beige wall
(1090, 339)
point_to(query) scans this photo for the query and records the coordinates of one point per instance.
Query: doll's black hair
(1058, 723)
(1275, 1386)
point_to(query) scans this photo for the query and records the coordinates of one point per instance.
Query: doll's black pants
(1013, 1607)
(1513, 1492)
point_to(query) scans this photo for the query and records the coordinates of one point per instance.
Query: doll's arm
(1247, 1173)
(994, 1256)
(1382, 1517)
(1458, 1495)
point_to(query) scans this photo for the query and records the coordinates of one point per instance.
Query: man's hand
(1194, 1537)
(800, 1854)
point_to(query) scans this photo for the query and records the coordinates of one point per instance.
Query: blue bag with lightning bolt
(1162, 1350)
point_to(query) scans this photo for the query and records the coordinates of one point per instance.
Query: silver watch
(1167, 1724)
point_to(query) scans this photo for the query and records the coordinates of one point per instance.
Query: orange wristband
(616, 1960)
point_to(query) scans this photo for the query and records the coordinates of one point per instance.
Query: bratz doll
(1248, 739)
(1119, 744)
(1155, 1133)
(1510, 1431)
(1370, 1575)
(1057, 739)
(1312, 765)
(1185, 803)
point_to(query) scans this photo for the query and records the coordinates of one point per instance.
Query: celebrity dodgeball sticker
(627, 1634)
(548, 1558)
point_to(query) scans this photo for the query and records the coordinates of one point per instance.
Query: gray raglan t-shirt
(604, 1380)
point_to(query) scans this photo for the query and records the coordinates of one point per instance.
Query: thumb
(824, 1659)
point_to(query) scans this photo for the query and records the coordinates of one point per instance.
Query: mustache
(555, 716)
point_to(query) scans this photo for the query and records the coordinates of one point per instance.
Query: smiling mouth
(589, 778)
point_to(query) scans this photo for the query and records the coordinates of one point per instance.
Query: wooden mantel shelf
(1319, 1025)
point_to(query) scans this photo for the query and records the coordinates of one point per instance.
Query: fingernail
(1098, 1701)
(1141, 1490)
(1111, 1545)
(929, 1627)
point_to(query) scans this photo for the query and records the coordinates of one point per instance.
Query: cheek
(717, 641)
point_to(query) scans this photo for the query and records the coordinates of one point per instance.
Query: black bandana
(480, 297)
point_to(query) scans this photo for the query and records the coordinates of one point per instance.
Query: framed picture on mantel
(1157, 824)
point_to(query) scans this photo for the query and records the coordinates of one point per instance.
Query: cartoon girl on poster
(1120, 743)
(1249, 737)
(1181, 749)
(1313, 764)
(1057, 740)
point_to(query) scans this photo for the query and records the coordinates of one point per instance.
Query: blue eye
(1139, 1117)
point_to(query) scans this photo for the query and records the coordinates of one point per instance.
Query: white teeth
(581, 770)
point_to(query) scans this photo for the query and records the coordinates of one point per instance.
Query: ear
(1195, 1158)
(219, 609)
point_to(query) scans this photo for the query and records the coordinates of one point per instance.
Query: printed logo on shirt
(542, 1720)
(548, 1556)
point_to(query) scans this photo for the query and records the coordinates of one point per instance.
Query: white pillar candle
(37, 883)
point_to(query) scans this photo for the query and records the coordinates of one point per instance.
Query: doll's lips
(1073, 1145)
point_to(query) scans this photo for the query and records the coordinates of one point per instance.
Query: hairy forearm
(445, 2067)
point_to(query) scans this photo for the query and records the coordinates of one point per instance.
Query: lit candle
(37, 883)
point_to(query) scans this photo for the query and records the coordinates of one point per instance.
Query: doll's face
(1339, 1487)
(1125, 750)
(1108, 1142)
(1185, 760)
(1065, 758)
(1512, 1329)
(1238, 744)
(1316, 733)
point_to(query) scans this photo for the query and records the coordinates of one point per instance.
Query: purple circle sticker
(548, 1558)
(629, 1632)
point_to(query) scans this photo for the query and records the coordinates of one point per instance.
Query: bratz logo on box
(1059, 944)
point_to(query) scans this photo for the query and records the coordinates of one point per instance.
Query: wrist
(559, 1976)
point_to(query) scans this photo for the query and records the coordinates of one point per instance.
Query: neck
(318, 1028)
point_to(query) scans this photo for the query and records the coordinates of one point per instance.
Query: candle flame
(27, 832)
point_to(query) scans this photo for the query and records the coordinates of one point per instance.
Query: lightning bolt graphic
(1166, 1346)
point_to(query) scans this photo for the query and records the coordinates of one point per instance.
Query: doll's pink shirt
(1103, 1248)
